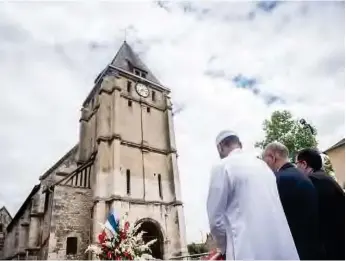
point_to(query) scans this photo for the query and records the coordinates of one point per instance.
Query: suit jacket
(299, 199)
(332, 214)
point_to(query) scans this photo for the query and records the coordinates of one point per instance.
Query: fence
(190, 257)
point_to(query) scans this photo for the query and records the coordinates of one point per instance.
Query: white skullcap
(223, 135)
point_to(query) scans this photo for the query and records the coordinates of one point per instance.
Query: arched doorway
(153, 231)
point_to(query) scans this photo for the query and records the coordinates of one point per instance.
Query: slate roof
(338, 144)
(126, 58)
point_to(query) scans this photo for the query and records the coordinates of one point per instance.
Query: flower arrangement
(120, 240)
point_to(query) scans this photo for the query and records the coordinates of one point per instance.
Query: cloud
(49, 61)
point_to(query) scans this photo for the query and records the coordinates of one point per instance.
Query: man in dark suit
(299, 200)
(331, 203)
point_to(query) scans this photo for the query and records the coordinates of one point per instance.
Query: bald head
(276, 155)
(278, 148)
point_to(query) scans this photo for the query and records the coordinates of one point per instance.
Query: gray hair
(279, 149)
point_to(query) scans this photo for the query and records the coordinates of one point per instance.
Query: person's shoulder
(294, 175)
(321, 175)
(291, 173)
(320, 178)
(218, 166)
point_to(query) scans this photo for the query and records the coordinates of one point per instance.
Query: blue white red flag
(112, 223)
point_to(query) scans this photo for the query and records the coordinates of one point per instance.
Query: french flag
(112, 222)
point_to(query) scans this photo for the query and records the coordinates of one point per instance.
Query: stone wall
(5, 220)
(17, 237)
(11, 243)
(46, 222)
(17, 241)
(337, 158)
(71, 217)
(61, 169)
(166, 216)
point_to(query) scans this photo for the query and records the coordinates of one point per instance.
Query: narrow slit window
(1, 228)
(71, 246)
(128, 181)
(153, 96)
(148, 109)
(129, 103)
(129, 86)
(160, 185)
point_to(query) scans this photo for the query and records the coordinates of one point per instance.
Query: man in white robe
(246, 217)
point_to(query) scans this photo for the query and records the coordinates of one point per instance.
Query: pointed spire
(127, 59)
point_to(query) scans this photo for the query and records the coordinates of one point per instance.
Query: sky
(229, 64)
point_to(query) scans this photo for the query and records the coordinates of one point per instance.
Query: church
(126, 159)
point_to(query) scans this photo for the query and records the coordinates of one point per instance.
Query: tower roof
(127, 59)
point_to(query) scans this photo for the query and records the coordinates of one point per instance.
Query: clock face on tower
(142, 90)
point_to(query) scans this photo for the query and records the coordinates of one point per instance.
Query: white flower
(94, 249)
(132, 244)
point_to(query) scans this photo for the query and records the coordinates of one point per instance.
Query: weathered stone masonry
(125, 159)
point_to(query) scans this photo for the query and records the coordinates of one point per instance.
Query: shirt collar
(286, 166)
(235, 151)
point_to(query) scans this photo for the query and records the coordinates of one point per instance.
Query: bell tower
(126, 126)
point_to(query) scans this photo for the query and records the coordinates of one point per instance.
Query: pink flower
(127, 255)
(126, 226)
(122, 235)
(102, 237)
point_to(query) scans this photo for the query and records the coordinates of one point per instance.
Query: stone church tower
(126, 160)
(127, 120)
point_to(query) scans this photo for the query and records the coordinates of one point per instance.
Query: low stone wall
(71, 217)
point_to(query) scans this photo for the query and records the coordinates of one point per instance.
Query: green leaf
(283, 128)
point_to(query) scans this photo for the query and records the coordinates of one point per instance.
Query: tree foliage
(282, 127)
(197, 248)
(327, 166)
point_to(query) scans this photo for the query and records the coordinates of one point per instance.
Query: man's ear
(219, 148)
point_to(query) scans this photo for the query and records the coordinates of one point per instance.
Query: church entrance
(153, 231)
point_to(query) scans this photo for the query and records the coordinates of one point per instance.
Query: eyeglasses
(299, 162)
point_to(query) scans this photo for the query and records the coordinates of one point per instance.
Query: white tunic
(246, 217)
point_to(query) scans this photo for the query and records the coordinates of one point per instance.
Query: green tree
(282, 127)
(327, 166)
(195, 249)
